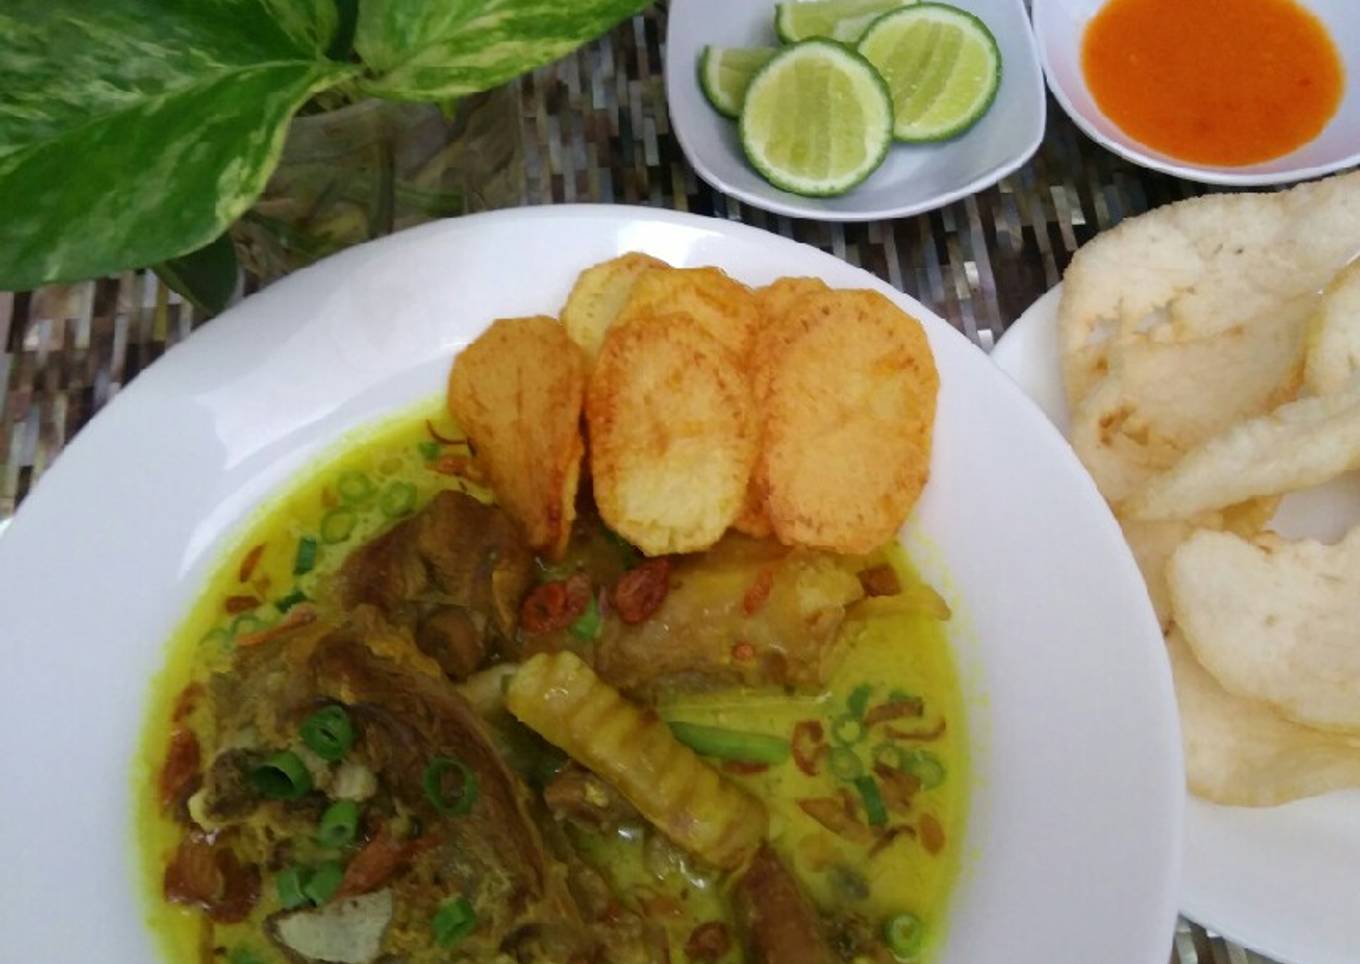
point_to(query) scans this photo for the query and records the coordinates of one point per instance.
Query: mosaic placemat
(595, 129)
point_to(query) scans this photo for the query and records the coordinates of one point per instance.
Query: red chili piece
(807, 745)
(708, 942)
(207, 875)
(180, 767)
(758, 593)
(555, 605)
(641, 591)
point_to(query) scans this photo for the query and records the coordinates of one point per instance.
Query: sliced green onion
(904, 934)
(874, 810)
(726, 744)
(247, 623)
(305, 560)
(338, 525)
(926, 767)
(329, 733)
(354, 487)
(285, 603)
(324, 881)
(858, 700)
(429, 450)
(454, 920)
(844, 764)
(589, 623)
(339, 824)
(282, 776)
(463, 796)
(289, 884)
(398, 499)
(219, 640)
(846, 730)
(890, 755)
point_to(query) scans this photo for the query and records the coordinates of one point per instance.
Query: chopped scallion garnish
(328, 732)
(455, 801)
(282, 776)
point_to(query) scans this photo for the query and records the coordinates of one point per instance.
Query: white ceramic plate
(1059, 26)
(1073, 836)
(1281, 880)
(913, 178)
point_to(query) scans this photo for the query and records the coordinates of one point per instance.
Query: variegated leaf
(132, 131)
(423, 49)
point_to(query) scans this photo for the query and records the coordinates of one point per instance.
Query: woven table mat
(595, 129)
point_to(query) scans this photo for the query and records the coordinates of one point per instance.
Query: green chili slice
(844, 764)
(926, 767)
(282, 776)
(874, 810)
(329, 733)
(323, 882)
(846, 730)
(725, 744)
(454, 920)
(354, 487)
(589, 623)
(858, 700)
(455, 802)
(339, 824)
(338, 525)
(305, 560)
(904, 934)
(289, 884)
(398, 499)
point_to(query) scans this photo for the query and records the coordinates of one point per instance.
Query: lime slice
(942, 67)
(843, 20)
(725, 73)
(817, 119)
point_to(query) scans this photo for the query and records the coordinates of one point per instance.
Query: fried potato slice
(849, 405)
(1298, 445)
(724, 308)
(775, 300)
(1334, 335)
(599, 294)
(1274, 620)
(672, 434)
(1162, 399)
(1199, 268)
(1240, 752)
(518, 391)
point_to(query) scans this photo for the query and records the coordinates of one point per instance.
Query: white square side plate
(1060, 26)
(913, 178)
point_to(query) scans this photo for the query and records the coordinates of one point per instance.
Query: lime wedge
(725, 73)
(942, 67)
(817, 119)
(843, 20)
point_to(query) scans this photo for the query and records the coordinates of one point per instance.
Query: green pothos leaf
(132, 131)
(425, 49)
(207, 277)
(310, 24)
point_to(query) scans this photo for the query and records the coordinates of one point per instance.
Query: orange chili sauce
(1225, 82)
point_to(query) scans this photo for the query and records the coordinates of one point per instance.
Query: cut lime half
(817, 119)
(843, 20)
(726, 72)
(942, 67)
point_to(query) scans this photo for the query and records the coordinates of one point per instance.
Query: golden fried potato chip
(726, 309)
(1298, 445)
(599, 295)
(1275, 621)
(518, 391)
(1199, 268)
(1241, 753)
(1334, 335)
(672, 433)
(849, 413)
(774, 300)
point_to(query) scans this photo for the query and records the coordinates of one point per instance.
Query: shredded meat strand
(894, 710)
